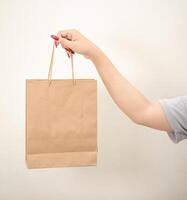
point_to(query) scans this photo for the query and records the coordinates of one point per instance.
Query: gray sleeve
(175, 110)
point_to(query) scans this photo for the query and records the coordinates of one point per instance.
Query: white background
(147, 42)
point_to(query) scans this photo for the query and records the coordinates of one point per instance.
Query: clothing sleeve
(175, 110)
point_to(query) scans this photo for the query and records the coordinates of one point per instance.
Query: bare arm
(131, 101)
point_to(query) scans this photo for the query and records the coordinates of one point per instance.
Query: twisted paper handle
(51, 67)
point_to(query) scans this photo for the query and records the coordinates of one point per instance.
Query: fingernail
(67, 54)
(71, 51)
(55, 37)
(56, 43)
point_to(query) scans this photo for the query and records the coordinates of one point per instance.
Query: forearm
(125, 95)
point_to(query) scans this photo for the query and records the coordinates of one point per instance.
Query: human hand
(73, 41)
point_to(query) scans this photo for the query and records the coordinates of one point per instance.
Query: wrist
(95, 54)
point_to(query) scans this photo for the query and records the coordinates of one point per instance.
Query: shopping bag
(61, 121)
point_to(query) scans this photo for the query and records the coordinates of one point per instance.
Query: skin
(129, 99)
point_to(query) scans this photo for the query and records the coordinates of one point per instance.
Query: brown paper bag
(61, 122)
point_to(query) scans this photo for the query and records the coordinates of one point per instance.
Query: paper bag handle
(51, 66)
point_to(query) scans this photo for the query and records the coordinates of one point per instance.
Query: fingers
(66, 35)
(69, 33)
(66, 39)
(55, 39)
(65, 42)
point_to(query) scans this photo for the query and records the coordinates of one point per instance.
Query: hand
(75, 41)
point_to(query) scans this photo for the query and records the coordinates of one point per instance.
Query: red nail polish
(68, 54)
(56, 43)
(55, 37)
(71, 51)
